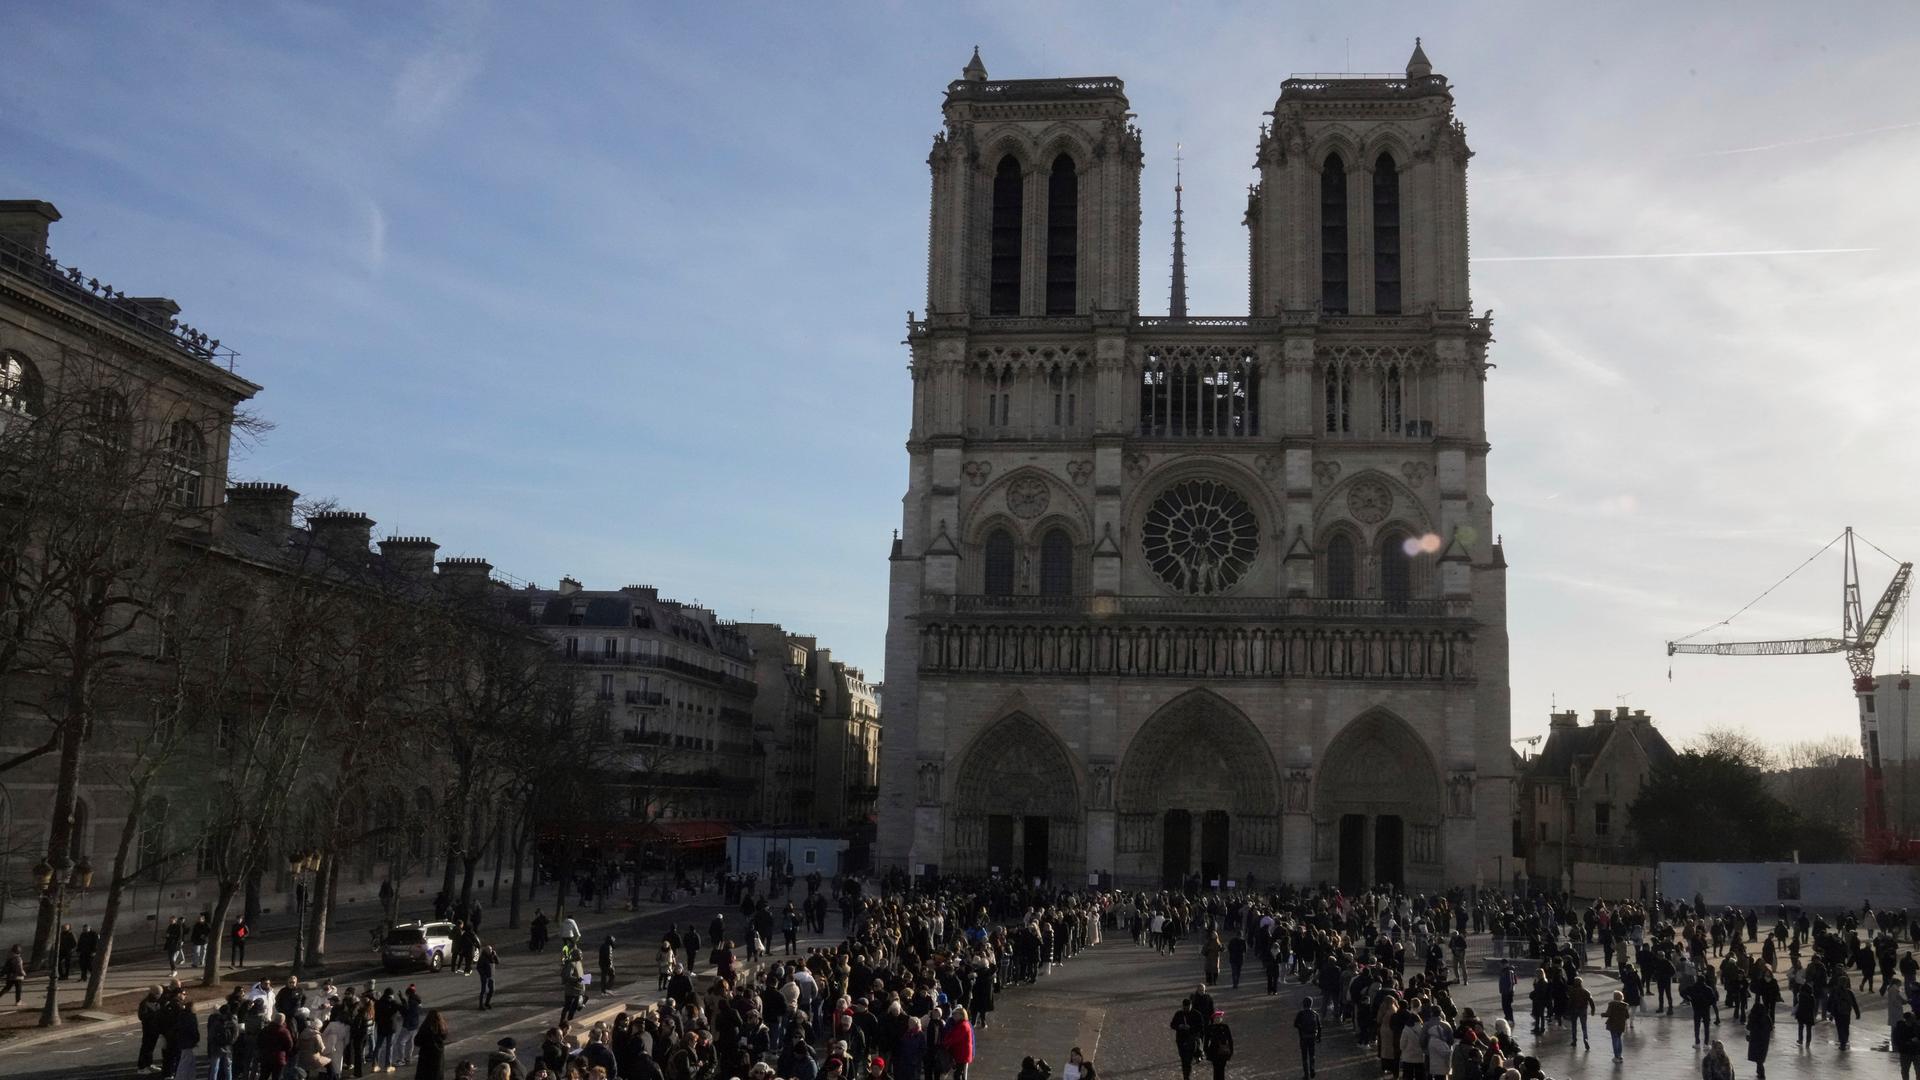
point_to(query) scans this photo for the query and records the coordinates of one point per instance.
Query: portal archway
(1198, 797)
(1017, 808)
(1377, 807)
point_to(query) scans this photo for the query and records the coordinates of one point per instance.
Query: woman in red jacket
(957, 1041)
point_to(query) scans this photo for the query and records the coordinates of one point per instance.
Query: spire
(975, 71)
(1177, 303)
(1418, 66)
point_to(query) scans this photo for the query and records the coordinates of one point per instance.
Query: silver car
(411, 946)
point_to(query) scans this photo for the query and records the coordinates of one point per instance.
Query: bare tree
(1735, 745)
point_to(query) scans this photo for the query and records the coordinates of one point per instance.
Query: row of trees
(1730, 798)
(238, 695)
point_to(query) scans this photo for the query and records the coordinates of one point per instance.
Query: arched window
(1339, 379)
(1340, 567)
(107, 418)
(999, 564)
(1390, 401)
(1063, 237)
(19, 385)
(1396, 571)
(1056, 563)
(1333, 236)
(187, 458)
(1386, 236)
(1003, 293)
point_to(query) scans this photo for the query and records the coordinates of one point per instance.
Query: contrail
(1671, 255)
(1809, 141)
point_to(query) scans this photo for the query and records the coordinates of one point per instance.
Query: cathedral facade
(1198, 597)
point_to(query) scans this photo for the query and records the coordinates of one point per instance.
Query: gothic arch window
(998, 564)
(1063, 382)
(1063, 237)
(1396, 570)
(1339, 388)
(1386, 236)
(1056, 563)
(19, 385)
(1392, 396)
(1333, 236)
(1341, 567)
(1003, 290)
(1199, 393)
(187, 461)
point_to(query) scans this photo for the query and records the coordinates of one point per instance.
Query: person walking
(1844, 1007)
(606, 965)
(430, 1045)
(1806, 1011)
(1579, 1006)
(223, 1030)
(1618, 1017)
(1236, 956)
(202, 933)
(1217, 1044)
(1186, 1027)
(183, 1034)
(1759, 1037)
(152, 1015)
(537, 931)
(1306, 1023)
(1905, 1042)
(85, 948)
(1506, 991)
(15, 972)
(1701, 997)
(241, 931)
(1210, 953)
(175, 946)
(487, 965)
(1715, 1065)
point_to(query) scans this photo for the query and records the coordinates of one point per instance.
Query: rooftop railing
(76, 286)
(1259, 606)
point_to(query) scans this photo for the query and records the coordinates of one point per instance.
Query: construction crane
(1860, 632)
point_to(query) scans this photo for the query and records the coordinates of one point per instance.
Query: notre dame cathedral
(1190, 596)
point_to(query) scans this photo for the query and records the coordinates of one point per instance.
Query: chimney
(24, 222)
(411, 555)
(344, 534)
(154, 309)
(642, 592)
(466, 577)
(1568, 719)
(1620, 712)
(568, 586)
(1602, 716)
(262, 509)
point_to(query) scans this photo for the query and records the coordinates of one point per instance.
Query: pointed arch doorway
(1198, 798)
(1377, 808)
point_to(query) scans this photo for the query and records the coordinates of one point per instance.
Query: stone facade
(1575, 793)
(1212, 597)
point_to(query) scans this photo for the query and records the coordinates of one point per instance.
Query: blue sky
(617, 290)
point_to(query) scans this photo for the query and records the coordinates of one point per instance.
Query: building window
(1396, 571)
(1333, 236)
(1063, 236)
(1215, 395)
(610, 648)
(999, 564)
(1339, 382)
(1602, 819)
(1003, 295)
(187, 459)
(1391, 422)
(606, 688)
(1386, 236)
(1340, 567)
(107, 418)
(1063, 383)
(19, 385)
(1543, 832)
(572, 648)
(1056, 564)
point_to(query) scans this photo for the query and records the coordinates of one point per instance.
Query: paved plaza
(1114, 1002)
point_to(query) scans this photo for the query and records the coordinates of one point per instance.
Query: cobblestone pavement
(1114, 1002)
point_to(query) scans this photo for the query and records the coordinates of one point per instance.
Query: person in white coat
(1439, 1046)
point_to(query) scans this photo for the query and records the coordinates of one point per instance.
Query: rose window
(1200, 536)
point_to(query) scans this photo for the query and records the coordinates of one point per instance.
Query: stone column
(1296, 829)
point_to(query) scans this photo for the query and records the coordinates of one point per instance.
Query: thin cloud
(1672, 255)
(431, 82)
(1809, 141)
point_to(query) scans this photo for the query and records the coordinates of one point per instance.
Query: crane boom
(1875, 623)
(1792, 647)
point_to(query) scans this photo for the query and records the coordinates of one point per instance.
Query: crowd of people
(903, 996)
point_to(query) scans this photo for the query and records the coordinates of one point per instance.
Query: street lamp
(56, 884)
(301, 865)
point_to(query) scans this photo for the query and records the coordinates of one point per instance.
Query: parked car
(418, 945)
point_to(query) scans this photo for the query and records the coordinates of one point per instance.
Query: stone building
(818, 720)
(677, 685)
(146, 384)
(1198, 596)
(1575, 793)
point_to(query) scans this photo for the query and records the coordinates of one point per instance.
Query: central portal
(1176, 849)
(1038, 837)
(1213, 847)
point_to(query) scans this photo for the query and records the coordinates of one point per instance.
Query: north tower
(1198, 597)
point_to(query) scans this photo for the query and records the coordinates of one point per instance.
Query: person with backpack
(1217, 1044)
(223, 1030)
(1306, 1023)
